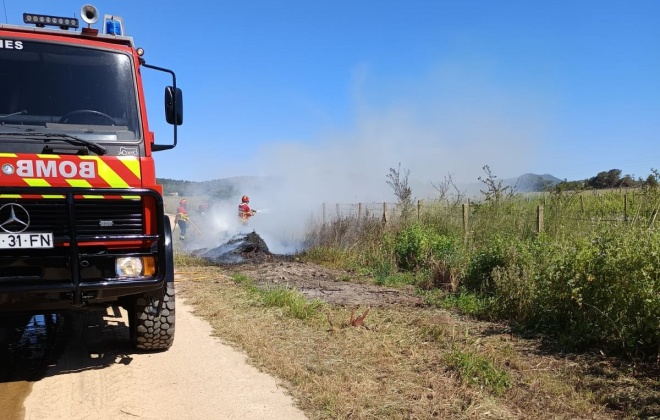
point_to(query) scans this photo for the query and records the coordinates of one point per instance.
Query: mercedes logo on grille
(14, 218)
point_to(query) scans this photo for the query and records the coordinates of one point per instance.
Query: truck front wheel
(150, 330)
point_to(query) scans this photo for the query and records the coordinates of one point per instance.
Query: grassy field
(563, 323)
(410, 363)
(591, 277)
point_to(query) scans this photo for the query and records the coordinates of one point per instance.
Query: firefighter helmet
(245, 199)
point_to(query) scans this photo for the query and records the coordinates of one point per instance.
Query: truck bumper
(91, 228)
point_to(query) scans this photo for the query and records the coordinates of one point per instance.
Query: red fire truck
(82, 223)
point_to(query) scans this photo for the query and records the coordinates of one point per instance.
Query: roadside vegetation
(588, 278)
(520, 320)
(396, 363)
(585, 281)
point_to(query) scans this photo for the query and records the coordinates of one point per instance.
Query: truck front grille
(98, 217)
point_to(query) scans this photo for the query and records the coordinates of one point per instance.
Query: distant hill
(525, 183)
(219, 189)
(531, 182)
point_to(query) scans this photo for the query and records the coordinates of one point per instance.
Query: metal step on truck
(82, 222)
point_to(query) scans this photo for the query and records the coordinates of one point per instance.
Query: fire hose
(187, 220)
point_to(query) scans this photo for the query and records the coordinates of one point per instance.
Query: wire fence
(528, 214)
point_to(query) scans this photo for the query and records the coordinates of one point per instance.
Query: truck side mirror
(173, 105)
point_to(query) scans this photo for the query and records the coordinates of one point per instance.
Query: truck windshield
(68, 89)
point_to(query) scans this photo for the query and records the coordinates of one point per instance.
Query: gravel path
(100, 377)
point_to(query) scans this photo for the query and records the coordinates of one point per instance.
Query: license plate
(26, 240)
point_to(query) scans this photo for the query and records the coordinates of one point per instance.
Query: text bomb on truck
(82, 222)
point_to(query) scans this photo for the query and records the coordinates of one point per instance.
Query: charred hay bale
(250, 243)
(239, 249)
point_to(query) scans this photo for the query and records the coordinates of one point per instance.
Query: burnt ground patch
(249, 254)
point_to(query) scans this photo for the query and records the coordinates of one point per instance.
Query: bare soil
(331, 286)
(249, 255)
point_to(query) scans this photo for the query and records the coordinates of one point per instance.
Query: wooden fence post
(323, 214)
(419, 210)
(625, 207)
(539, 219)
(465, 220)
(384, 213)
(359, 211)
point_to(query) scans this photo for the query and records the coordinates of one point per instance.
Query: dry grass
(401, 363)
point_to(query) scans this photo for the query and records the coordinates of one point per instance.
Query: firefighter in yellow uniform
(181, 218)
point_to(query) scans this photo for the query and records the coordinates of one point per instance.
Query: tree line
(607, 180)
(217, 189)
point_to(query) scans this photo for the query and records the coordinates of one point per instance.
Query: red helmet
(245, 199)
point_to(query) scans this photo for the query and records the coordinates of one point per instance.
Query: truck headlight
(135, 266)
(129, 267)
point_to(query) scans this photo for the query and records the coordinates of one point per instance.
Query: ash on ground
(313, 281)
(241, 248)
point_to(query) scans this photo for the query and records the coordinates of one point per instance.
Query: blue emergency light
(113, 25)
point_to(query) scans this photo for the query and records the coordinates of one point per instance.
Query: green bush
(614, 281)
(602, 289)
(479, 274)
(411, 247)
(416, 246)
(519, 284)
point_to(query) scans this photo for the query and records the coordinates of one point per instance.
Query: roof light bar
(44, 20)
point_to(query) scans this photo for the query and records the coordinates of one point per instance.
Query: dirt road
(98, 376)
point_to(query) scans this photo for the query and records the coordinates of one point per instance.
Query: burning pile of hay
(240, 249)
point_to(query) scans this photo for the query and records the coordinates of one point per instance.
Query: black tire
(150, 331)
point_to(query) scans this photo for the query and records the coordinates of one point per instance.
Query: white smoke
(448, 123)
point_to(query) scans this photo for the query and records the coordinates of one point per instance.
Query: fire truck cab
(82, 223)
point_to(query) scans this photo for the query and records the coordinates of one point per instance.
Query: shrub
(478, 277)
(412, 247)
(614, 283)
(416, 246)
(517, 279)
(602, 289)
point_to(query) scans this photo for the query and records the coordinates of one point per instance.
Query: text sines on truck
(82, 223)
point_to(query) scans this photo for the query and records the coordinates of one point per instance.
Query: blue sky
(337, 92)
